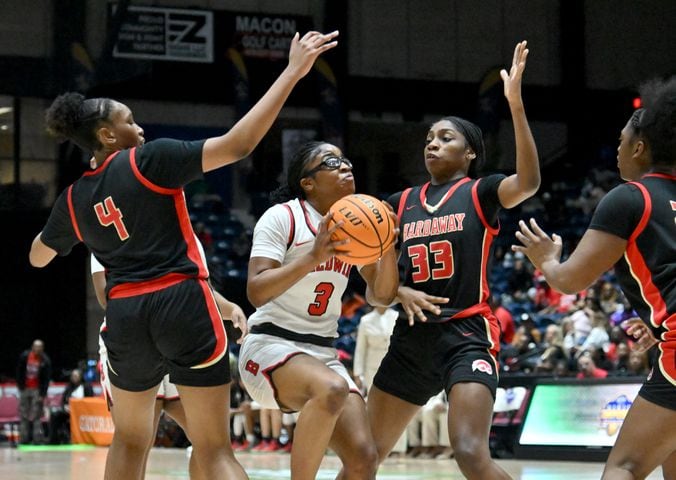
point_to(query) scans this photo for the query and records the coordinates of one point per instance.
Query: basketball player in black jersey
(634, 230)
(161, 315)
(446, 337)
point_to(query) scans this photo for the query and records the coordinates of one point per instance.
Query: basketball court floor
(172, 464)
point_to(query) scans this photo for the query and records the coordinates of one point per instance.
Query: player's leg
(352, 441)
(388, 417)
(669, 467)
(646, 440)
(206, 410)
(133, 433)
(470, 415)
(173, 407)
(307, 385)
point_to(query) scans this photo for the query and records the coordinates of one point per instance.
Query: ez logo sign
(166, 34)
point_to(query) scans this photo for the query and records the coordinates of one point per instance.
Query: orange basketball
(367, 223)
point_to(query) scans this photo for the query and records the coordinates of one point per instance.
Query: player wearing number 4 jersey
(446, 337)
(296, 283)
(161, 314)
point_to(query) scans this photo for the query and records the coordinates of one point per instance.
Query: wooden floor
(169, 463)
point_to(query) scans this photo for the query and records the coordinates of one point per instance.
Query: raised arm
(245, 135)
(596, 253)
(526, 181)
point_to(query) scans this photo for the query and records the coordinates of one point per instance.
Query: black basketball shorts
(176, 329)
(428, 357)
(660, 387)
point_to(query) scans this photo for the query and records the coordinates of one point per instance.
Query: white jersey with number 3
(312, 305)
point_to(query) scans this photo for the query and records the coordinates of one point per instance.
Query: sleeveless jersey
(137, 229)
(445, 248)
(644, 213)
(284, 233)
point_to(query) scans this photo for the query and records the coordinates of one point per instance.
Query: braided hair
(72, 117)
(292, 188)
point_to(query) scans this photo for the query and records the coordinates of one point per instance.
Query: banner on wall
(168, 34)
(265, 36)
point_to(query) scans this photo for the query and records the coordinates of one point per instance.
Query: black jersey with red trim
(131, 213)
(445, 239)
(644, 213)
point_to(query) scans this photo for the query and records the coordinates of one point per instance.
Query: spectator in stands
(428, 430)
(554, 351)
(621, 358)
(598, 335)
(546, 299)
(617, 337)
(520, 279)
(373, 339)
(587, 367)
(638, 363)
(271, 429)
(504, 317)
(60, 416)
(561, 369)
(609, 297)
(241, 247)
(33, 374)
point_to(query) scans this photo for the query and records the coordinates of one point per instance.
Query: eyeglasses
(329, 163)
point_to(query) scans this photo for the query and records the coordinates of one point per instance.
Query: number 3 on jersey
(441, 261)
(321, 303)
(108, 214)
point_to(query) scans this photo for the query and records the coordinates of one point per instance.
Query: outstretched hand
(304, 51)
(512, 80)
(415, 302)
(536, 244)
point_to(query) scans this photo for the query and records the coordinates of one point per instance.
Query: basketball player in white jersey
(167, 398)
(288, 360)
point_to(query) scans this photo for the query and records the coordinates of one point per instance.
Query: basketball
(367, 223)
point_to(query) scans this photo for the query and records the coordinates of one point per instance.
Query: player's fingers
(420, 313)
(411, 317)
(335, 226)
(537, 230)
(515, 55)
(435, 299)
(523, 239)
(322, 39)
(431, 307)
(519, 248)
(526, 232)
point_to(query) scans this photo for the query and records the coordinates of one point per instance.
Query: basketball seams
(358, 207)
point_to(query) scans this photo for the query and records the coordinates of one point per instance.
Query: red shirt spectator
(588, 369)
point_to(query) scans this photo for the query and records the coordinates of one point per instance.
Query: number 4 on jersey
(108, 214)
